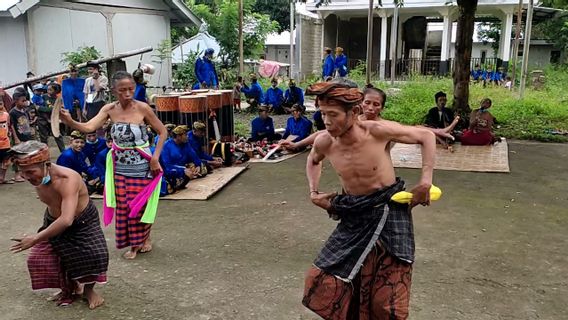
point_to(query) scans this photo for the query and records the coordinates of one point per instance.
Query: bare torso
(363, 165)
(61, 178)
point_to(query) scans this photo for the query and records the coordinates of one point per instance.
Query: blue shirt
(294, 95)
(197, 144)
(328, 66)
(74, 161)
(175, 157)
(90, 150)
(38, 100)
(275, 97)
(478, 74)
(99, 168)
(72, 89)
(140, 92)
(254, 91)
(341, 64)
(262, 128)
(301, 128)
(205, 72)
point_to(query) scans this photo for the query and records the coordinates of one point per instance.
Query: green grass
(530, 118)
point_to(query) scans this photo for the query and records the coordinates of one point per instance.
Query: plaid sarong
(364, 220)
(130, 232)
(380, 291)
(82, 247)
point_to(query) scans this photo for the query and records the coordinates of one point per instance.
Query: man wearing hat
(254, 93)
(275, 98)
(365, 267)
(340, 63)
(263, 127)
(205, 71)
(196, 139)
(297, 125)
(328, 65)
(93, 145)
(293, 95)
(179, 160)
(70, 248)
(73, 157)
(95, 90)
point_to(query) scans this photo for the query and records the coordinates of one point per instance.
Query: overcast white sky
(5, 4)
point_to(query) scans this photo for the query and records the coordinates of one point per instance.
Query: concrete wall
(14, 58)
(54, 30)
(278, 53)
(133, 31)
(308, 54)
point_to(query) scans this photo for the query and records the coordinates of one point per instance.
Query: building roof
(180, 14)
(279, 39)
(196, 44)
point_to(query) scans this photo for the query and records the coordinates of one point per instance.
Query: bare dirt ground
(494, 247)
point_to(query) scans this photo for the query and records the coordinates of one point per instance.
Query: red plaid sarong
(380, 291)
(130, 232)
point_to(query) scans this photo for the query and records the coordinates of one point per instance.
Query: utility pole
(292, 9)
(517, 40)
(241, 49)
(526, 47)
(369, 41)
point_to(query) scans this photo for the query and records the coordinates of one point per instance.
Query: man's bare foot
(79, 289)
(131, 254)
(95, 300)
(147, 246)
(451, 149)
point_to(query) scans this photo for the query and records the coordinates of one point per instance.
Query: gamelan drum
(225, 117)
(192, 108)
(214, 103)
(167, 108)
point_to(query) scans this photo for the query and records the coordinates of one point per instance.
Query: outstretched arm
(90, 126)
(151, 119)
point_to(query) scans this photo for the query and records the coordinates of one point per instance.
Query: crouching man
(69, 252)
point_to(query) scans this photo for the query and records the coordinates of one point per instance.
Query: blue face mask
(46, 180)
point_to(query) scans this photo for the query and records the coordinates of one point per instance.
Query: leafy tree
(223, 25)
(278, 10)
(83, 54)
(490, 32)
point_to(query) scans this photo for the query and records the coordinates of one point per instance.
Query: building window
(555, 56)
(483, 56)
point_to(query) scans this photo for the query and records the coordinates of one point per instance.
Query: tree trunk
(464, 41)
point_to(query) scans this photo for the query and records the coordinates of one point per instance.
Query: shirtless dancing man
(69, 252)
(364, 270)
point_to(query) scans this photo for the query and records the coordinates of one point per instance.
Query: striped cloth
(82, 247)
(364, 221)
(130, 232)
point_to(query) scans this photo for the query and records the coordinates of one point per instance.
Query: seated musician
(480, 131)
(196, 139)
(74, 158)
(274, 98)
(440, 117)
(179, 161)
(263, 127)
(93, 145)
(292, 96)
(254, 93)
(98, 169)
(297, 125)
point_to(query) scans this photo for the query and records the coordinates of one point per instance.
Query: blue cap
(209, 51)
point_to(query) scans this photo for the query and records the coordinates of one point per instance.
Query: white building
(35, 33)
(425, 31)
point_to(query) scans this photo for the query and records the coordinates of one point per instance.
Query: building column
(383, 49)
(506, 40)
(446, 43)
